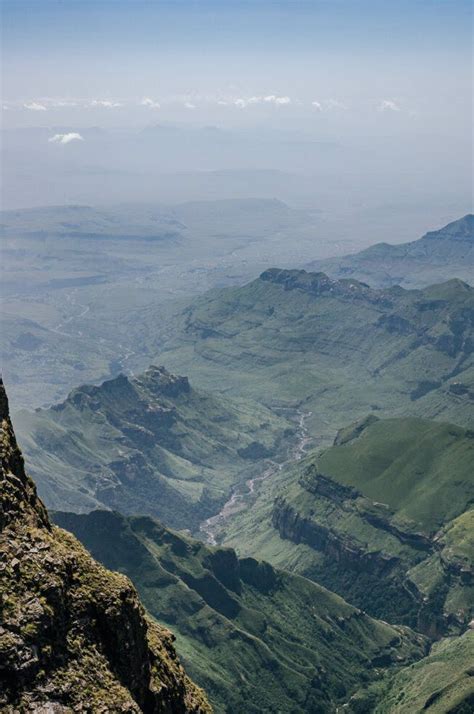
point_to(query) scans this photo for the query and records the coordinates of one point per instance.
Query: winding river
(242, 493)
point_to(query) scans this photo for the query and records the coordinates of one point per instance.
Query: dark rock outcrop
(73, 635)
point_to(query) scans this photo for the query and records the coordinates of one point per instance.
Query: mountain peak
(461, 229)
(319, 284)
(294, 278)
(159, 379)
(440, 254)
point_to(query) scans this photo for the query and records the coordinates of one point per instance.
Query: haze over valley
(237, 338)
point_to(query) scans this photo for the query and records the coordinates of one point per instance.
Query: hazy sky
(353, 63)
(369, 100)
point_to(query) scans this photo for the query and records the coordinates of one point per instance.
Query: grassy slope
(423, 470)
(441, 683)
(340, 348)
(448, 571)
(257, 639)
(377, 464)
(148, 445)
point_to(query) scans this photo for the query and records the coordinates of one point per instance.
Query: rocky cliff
(74, 636)
(387, 511)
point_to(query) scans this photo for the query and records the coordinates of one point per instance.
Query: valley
(80, 282)
(310, 520)
(303, 499)
(241, 498)
(91, 291)
(150, 444)
(288, 642)
(237, 339)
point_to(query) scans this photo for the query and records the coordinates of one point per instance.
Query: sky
(373, 96)
(126, 62)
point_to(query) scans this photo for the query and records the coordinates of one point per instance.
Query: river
(241, 496)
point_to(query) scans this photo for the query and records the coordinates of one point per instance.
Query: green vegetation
(338, 347)
(257, 639)
(382, 518)
(442, 683)
(151, 444)
(423, 470)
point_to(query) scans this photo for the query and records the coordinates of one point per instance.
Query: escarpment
(257, 638)
(407, 559)
(73, 635)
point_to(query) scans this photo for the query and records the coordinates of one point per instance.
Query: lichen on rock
(73, 635)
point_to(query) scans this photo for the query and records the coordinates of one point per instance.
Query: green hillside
(150, 444)
(442, 683)
(339, 347)
(438, 255)
(258, 639)
(79, 282)
(382, 518)
(423, 470)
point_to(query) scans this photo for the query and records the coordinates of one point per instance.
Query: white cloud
(272, 99)
(106, 103)
(327, 105)
(35, 107)
(333, 104)
(63, 103)
(148, 102)
(189, 105)
(243, 102)
(65, 138)
(388, 105)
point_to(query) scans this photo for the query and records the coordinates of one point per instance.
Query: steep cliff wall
(74, 636)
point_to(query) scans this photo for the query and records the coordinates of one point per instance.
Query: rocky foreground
(74, 636)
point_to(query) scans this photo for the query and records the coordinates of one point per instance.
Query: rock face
(74, 636)
(409, 558)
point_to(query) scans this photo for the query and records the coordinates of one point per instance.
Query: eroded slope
(257, 638)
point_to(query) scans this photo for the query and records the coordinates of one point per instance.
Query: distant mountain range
(437, 256)
(337, 348)
(254, 218)
(150, 444)
(79, 282)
